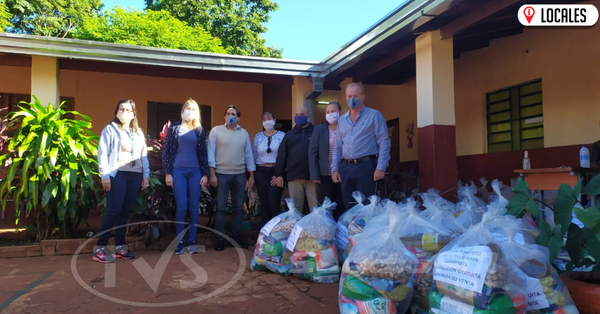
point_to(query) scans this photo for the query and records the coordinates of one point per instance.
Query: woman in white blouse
(264, 148)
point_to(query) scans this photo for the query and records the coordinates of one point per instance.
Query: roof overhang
(109, 52)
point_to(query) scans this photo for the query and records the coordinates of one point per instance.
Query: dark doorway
(159, 113)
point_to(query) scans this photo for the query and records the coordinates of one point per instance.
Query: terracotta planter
(585, 295)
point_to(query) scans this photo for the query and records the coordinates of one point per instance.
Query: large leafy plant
(579, 240)
(52, 168)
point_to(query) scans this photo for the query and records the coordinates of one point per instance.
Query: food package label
(376, 306)
(536, 298)
(430, 242)
(464, 267)
(341, 236)
(266, 229)
(293, 238)
(451, 305)
(501, 238)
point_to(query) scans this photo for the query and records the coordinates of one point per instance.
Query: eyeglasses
(269, 145)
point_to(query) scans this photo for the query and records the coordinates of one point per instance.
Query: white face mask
(269, 125)
(125, 117)
(333, 117)
(187, 115)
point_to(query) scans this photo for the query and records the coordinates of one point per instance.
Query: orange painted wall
(397, 102)
(96, 94)
(566, 59)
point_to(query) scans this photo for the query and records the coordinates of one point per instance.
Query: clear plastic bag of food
(424, 239)
(312, 246)
(545, 291)
(443, 219)
(470, 208)
(380, 272)
(270, 252)
(472, 274)
(432, 196)
(341, 233)
(498, 200)
(362, 216)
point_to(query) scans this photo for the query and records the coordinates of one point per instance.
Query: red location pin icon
(528, 12)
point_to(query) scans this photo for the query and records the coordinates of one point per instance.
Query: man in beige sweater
(229, 156)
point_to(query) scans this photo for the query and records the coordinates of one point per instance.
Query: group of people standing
(348, 153)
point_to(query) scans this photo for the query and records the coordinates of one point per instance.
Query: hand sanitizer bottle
(584, 157)
(526, 162)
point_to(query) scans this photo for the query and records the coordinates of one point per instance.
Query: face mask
(353, 103)
(300, 120)
(230, 120)
(125, 117)
(269, 125)
(187, 115)
(332, 117)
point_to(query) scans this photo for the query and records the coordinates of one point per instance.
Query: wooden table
(550, 179)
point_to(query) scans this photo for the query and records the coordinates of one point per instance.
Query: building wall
(96, 94)
(397, 101)
(566, 59)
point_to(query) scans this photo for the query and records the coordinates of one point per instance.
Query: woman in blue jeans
(185, 164)
(124, 169)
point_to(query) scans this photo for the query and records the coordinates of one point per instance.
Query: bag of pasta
(472, 274)
(425, 240)
(380, 272)
(341, 233)
(312, 247)
(269, 252)
(546, 293)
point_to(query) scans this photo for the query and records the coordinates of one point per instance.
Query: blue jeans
(236, 184)
(358, 177)
(124, 187)
(187, 189)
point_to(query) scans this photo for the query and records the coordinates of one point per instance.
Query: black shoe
(220, 246)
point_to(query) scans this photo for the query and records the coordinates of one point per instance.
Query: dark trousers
(236, 184)
(186, 189)
(124, 187)
(269, 196)
(357, 177)
(334, 192)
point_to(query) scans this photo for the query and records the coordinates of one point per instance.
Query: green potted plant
(52, 168)
(582, 244)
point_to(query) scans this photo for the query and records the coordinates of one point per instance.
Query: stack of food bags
(341, 233)
(472, 274)
(469, 208)
(545, 292)
(380, 272)
(424, 239)
(312, 247)
(270, 252)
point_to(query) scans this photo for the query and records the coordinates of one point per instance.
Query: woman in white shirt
(264, 148)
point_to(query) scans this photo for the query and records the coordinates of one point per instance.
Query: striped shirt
(332, 134)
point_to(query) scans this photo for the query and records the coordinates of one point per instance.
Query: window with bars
(515, 118)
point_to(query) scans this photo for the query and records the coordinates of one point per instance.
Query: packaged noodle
(424, 239)
(380, 272)
(269, 252)
(470, 208)
(341, 233)
(312, 246)
(473, 273)
(545, 292)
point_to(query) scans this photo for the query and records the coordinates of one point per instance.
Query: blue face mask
(353, 103)
(230, 120)
(300, 120)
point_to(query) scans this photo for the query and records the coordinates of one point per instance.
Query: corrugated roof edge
(102, 51)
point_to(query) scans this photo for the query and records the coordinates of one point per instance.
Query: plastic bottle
(584, 157)
(526, 162)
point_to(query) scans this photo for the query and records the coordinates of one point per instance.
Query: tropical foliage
(51, 167)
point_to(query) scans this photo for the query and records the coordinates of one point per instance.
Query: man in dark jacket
(292, 162)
